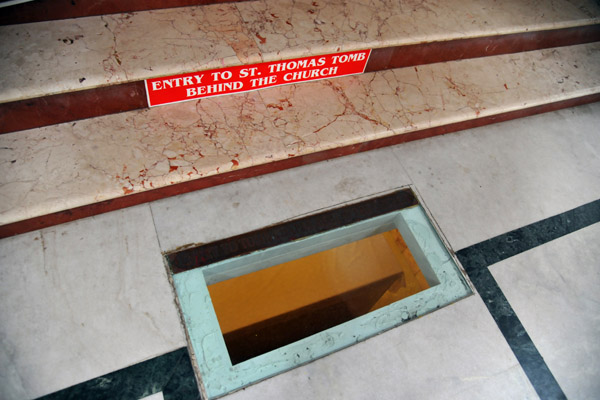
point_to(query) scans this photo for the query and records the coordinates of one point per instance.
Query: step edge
(89, 210)
(382, 58)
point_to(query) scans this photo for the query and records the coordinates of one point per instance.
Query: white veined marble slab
(81, 300)
(454, 353)
(309, 27)
(553, 290)
(487, 181)
(64, 166)
(61, 56)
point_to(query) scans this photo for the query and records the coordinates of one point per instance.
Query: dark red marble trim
(460, 49)
(61, 217)
(49, 10)
(73, 106)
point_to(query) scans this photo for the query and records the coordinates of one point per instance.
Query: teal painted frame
(220, 377)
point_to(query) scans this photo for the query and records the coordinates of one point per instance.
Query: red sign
(244, 78)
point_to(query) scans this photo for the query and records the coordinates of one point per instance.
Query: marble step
(60, 71)
(63, 172)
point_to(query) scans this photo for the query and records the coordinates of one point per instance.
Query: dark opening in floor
(270, 308)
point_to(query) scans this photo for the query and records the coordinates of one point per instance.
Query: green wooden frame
(217, 373)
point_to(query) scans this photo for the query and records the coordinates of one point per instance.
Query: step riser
(73, 214)
(64, 9)
(429, 53)
(73, 106)
(66, 166)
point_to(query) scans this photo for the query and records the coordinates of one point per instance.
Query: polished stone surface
(539, 137)
(477, 184)
(554, 291)
(453, 353)
(60, 56)
(487, 181)
(166, 377)
(69, 165)
(81, 300)
(307, 26)
(239, 207)
(456, 352)
(477, 258)
(501, 247)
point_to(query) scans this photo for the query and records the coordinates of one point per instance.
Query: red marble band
(50, 10)
(73, 106)
(56, 218)
(461, 49)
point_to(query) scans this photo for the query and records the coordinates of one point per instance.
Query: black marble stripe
(477, 258)
(171, 373)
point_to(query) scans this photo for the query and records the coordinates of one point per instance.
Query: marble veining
(68, 165)
(81, 300)
(307, 26)
(61, 56)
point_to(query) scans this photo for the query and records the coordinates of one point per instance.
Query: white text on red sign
(245, 78)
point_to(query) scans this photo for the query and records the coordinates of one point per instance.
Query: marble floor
(88, 310)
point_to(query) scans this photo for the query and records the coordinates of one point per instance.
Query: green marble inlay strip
(220, 377)
(170, 373)
(477, 259)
